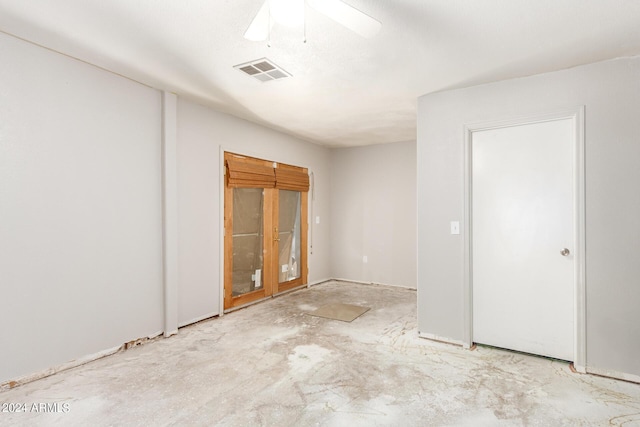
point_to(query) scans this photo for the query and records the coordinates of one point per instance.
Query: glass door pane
(289, 244)
(248, 238)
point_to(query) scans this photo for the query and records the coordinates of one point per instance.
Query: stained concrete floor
(272, 364)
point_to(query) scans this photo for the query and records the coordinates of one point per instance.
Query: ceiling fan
(291, 13)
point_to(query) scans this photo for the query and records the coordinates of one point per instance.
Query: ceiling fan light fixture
(260, 25)
(348, 16)
(289, 13)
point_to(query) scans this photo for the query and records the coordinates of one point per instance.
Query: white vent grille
(263, 70)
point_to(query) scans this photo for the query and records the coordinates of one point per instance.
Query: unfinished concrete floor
(273, 364)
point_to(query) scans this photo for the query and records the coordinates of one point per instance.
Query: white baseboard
(581, 369)
(360, 282)
(318, 282)
(198, 319)
(613, 374)
(438, 338)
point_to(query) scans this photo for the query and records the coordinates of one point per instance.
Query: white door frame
(577, 115)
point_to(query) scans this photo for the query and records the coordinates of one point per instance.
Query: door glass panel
(289, 235)
(247, 240)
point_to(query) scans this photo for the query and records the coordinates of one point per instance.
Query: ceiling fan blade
(259, 28)
(348, 16)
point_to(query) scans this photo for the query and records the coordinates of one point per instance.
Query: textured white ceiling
(346, 90)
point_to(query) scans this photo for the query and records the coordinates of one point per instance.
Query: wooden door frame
(304, 222)
(577, 115)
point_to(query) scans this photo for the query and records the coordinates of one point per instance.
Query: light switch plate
(455, 227)
(317, 220)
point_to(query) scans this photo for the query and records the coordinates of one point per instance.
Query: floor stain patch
(307, 357)
(339, 311)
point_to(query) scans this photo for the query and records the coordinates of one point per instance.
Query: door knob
(565, 252)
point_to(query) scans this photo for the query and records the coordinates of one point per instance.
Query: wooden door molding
(272, 252)
(228, 246)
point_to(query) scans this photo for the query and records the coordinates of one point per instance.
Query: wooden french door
(265, 220)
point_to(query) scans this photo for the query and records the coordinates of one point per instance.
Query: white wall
(373, 213)
(81, 208)
(80, 223)
(201, 133)
(611, 93)
(81, 213)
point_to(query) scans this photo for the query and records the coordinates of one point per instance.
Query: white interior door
(522, 219)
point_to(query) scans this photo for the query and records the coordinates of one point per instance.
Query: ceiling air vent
(263, 70)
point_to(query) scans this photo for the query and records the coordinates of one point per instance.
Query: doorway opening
(524, 245)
